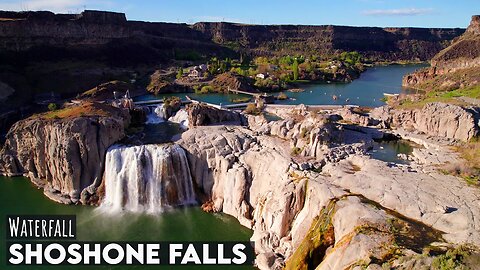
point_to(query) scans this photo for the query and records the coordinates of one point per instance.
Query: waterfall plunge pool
(18, 196)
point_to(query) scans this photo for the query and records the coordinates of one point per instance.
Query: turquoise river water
(367, 90)
(18, 196)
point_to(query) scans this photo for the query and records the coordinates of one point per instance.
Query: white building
(261, 76)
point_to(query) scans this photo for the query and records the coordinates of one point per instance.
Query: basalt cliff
(382, 44)
(49, 54)
(93, 33)
(457, 66)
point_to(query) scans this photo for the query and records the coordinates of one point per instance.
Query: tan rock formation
(434, 119)
(200, 114)
(250, 174)
(65, 155)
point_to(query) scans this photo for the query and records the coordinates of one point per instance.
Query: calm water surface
(388, 151)
(364, 91)
(19, 196)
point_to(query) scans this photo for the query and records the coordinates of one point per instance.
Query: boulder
(200, 114)
(231, 80)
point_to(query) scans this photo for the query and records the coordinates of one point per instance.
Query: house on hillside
(261, 76)
(197, 71)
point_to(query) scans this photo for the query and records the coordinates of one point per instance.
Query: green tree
(351, 58)
(295, 69)
(52, 107)
(180, 73)
(223, 66)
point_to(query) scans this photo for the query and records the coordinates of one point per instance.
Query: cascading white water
(156, 116)
(147, 178)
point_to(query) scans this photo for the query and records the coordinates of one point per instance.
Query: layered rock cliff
(105, 34)
(68, 53)
(457, 66)
(376, 43)
(64, 152)
(92, 33)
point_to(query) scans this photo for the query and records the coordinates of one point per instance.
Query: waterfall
(155, 116)
(147, 178)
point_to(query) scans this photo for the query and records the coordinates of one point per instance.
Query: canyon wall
(457, 66)
(66, 54)
(389, 44)
(97, 36)
(92, 30)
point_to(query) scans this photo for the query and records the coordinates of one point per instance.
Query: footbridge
(267, 98)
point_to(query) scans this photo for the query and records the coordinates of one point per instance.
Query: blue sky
(419, 13)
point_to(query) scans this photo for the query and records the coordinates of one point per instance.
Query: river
(18, 196)
(367, 90)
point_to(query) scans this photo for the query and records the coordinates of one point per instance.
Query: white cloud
(398, 12)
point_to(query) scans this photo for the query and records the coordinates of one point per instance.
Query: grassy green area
(241, 100)
(252, 109)
(461, 257)
(445, 96)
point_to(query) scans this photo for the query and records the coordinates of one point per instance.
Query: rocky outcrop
(464, 52)
(352, 211)
(161, 82)
(200, 114)
(457, 64)
(64, 154)
(230, 80)
(105, 91)
(434, 119)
